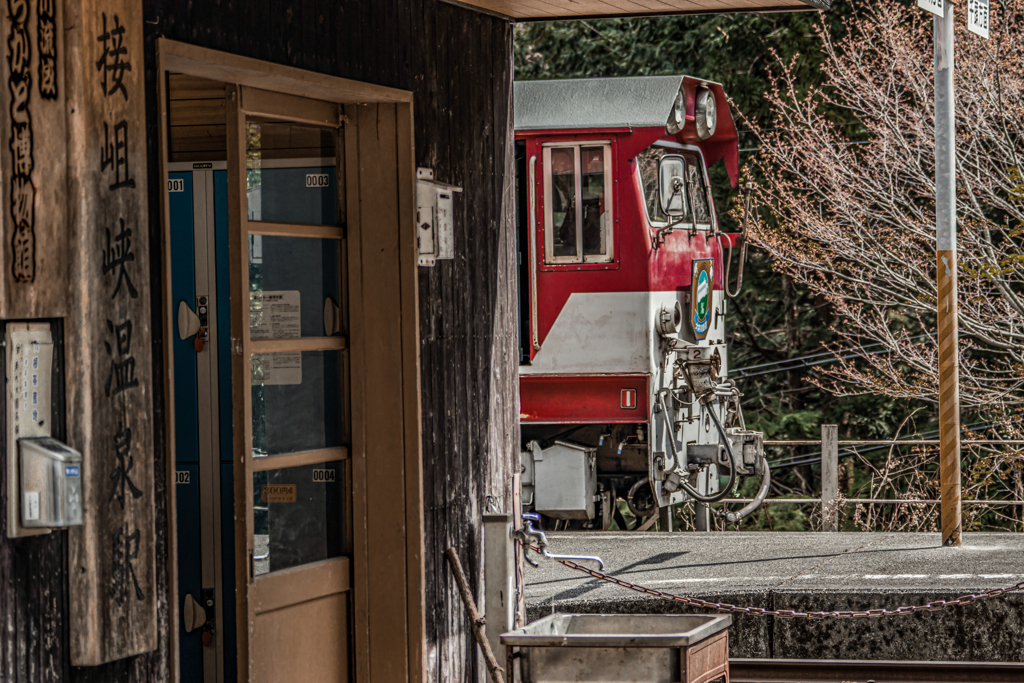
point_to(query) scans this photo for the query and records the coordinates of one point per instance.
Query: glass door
(290, 385)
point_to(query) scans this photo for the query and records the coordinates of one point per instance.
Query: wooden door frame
(388, 595)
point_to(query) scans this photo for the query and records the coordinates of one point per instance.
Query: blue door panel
(183, 288)
(190, 579)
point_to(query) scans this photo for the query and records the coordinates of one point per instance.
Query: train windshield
(697, 198)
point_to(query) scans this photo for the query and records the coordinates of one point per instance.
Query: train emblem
(700, 302)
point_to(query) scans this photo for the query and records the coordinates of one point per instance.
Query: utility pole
(945, 252)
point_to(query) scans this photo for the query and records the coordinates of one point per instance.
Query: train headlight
(706, 113)
(677, 119)
(669, 318)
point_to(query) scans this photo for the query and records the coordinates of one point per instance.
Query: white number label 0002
(182, 477)
(323, 475)
(317, 180)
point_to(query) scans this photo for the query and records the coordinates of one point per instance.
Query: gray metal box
(51, 483)
(565, 481)
(623, 648)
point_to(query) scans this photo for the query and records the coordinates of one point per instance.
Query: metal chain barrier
(788, 613)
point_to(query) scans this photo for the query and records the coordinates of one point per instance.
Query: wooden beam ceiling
(544, 10)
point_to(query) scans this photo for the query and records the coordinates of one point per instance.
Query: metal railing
(830, 499)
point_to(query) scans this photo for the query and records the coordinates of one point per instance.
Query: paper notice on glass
(277, 368)
(933, 6)
(275, 315)
(977, 17)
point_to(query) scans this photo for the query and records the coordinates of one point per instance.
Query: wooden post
(945, 252)
(829, 477)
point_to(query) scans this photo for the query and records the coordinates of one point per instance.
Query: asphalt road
(718, 563)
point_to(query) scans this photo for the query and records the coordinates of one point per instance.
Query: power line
(823, 358)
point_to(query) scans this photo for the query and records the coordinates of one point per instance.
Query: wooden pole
(945, 251)
(829, 477)
(493, 669)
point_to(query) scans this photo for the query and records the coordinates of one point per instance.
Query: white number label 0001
(317, 180)
(323, 475)
(175, 184)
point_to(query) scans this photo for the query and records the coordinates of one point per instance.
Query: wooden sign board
(34, 244)
(112, 569)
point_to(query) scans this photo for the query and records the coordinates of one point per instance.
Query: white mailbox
(435, 226)
(51, 484)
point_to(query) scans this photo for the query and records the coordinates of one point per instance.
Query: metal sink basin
(623, 648)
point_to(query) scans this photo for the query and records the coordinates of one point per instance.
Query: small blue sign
(71, 471)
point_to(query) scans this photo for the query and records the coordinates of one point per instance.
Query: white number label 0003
(317, 180)
(323, 475)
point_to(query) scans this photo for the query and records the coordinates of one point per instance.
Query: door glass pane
(297, 514)
(593, 201)
(290, 280)
(291, 172)
(297, 402)
(563, 201)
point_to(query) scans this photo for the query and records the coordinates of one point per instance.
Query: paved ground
(807, 571)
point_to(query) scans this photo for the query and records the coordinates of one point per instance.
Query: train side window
(577, 203)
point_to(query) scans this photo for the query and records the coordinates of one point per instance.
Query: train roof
(631, 102)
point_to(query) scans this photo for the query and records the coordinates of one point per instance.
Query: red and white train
(624, 387)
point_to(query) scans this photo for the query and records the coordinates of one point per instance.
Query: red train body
(620, 301)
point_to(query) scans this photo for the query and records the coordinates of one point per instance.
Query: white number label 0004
(318, 180)
(323, 475)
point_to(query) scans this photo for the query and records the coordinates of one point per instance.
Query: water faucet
(529, 536)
